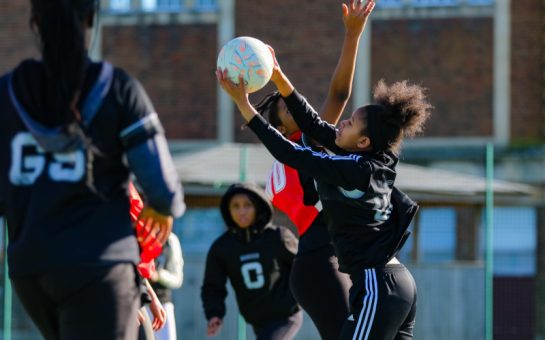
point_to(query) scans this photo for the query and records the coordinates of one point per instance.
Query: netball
(251, 58)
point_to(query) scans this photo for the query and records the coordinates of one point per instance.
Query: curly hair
(399, 110)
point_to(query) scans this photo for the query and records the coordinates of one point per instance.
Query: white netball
(251, 58)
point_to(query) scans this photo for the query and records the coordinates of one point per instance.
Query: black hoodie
(256, 260)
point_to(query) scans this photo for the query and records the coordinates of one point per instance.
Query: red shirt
(286, 193)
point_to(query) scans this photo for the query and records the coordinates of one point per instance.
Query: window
(432, 3)
(480, 2)
(406, 251)
(206, 5)
(119, 5)
(390, 4)
(435, 3)
(161, 6)
(514, 241)
(437, 235)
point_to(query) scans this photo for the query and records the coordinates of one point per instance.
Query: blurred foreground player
(67, 124)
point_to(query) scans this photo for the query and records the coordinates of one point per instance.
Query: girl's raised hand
(279, 79)
(276, 72)
(237, 92)
(355, 15)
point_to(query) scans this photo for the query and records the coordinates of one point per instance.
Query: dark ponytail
(268, 106)
(61, 26)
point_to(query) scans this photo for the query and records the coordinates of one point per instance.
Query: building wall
(175, 63)
(452, 58)
(16, 40)
(528, 116)
(306, 36)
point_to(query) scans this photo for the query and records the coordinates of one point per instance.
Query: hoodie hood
(263, 207)
(26, 91)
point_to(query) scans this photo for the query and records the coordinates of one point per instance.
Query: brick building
(456, 50)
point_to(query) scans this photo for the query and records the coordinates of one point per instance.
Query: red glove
(152, 249)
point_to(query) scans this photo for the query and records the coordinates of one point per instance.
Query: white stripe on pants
(369, 306)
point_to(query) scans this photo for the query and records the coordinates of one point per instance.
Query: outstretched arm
(213, 290)
(303, 113)
(355, 16)
(238, 93)
(146, 149)
(156, 308)
(349, 172)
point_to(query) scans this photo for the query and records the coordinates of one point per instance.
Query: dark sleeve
(349, 172)
(213, 291)
(309, 121)
(290, 244)
(133, 99)
(147, 150)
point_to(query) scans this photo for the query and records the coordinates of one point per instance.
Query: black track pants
(83, 303)
(321, 290)
(382, 304)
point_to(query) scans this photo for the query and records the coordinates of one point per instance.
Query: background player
(168, 275)
(256, 257)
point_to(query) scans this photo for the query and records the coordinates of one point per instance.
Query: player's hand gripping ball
(251, 58)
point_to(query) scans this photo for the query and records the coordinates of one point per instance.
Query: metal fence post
(489, 234)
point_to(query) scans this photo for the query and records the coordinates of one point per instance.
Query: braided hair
(61, 25)
(268, 106)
